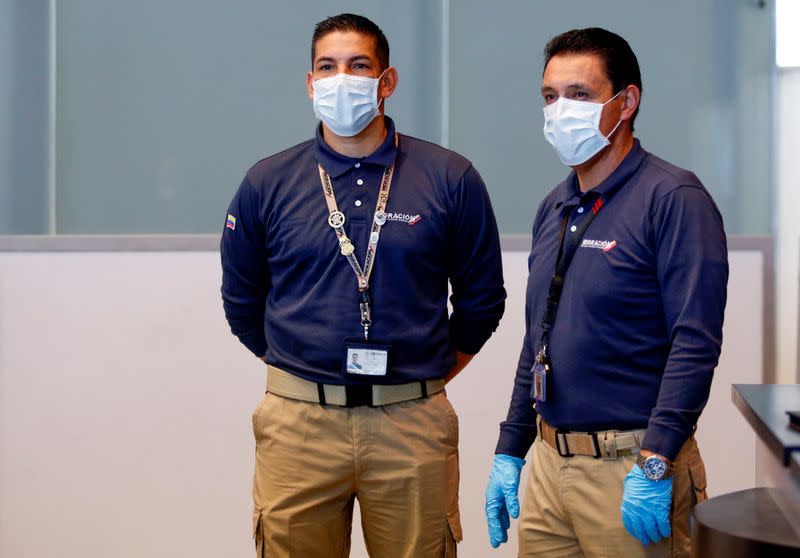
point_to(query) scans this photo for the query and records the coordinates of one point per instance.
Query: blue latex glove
(645, 506)
(501, 496)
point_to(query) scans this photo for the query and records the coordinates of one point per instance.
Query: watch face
(654, 468)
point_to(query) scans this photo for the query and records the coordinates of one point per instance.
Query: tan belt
(608, 444)
(288, 385)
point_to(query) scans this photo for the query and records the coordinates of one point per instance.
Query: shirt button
(580, 210)
(357, 165)
(358, 203)
(573, 228)
(359, 182)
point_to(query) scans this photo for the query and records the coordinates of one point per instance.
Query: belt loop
(321, 393)
(596, 443)
(424, 389)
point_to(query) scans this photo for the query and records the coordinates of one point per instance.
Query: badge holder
(541, 369)
(366, 358)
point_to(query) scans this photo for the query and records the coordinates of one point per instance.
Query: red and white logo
(603, 245)
(406, 218)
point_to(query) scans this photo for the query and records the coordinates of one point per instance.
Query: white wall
(788, 223)
(125, 406)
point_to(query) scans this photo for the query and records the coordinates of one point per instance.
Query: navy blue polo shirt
(639, 327)
(289, 294)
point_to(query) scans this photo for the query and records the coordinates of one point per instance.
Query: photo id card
(539, 388)
(366, 358)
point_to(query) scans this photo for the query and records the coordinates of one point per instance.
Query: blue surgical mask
(346, 103)
(573, 129)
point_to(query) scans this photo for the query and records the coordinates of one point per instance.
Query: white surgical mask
(346, 103)
(573, 129)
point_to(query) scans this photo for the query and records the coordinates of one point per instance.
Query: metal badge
(336, 219)
(373, 237)
(346, 248)
(380, 217)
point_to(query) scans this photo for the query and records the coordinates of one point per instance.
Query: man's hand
(462, 359)
(501, 496)
(645, 506)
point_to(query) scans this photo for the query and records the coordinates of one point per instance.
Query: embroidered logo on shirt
(231, 222)
(404, 218)
(604, 245)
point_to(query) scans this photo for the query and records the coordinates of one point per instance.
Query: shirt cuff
(515, 440)
(663, 440)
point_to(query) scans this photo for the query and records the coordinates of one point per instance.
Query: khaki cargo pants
(312, 461)
(571, 507)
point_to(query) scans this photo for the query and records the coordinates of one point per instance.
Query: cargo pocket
(452, 534)
(258, 534)
(697, 477)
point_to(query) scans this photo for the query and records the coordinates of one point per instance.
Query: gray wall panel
(705, 68)
(163, 106)
(24, 90)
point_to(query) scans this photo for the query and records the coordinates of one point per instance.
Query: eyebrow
(570, 87)
(350, 60)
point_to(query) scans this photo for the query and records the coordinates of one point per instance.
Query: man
(343, 244)
(354, 366)
(625, 301)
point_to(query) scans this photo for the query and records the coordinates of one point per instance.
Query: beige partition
(125, 402)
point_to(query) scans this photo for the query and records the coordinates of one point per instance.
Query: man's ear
(388, 83)
(309, 86)
(630, 96)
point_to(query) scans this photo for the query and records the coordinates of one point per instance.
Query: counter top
(746, 523)
(764, 406)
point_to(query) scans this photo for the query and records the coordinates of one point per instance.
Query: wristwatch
(654, 467)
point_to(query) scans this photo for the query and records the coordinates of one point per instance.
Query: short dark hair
(622, 68)
(357, 23)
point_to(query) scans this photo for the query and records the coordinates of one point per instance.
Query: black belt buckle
(565, 452)
(358, 395)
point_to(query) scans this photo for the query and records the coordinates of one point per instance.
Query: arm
(462, 359)
(245, 275)
(517, 434)
(475, 268)
(518, 431)
(692, 267)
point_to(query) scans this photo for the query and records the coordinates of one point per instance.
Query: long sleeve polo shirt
(638, 330)
(290, 295)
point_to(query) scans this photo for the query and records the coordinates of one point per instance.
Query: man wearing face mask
(625, 300)
(344, 245)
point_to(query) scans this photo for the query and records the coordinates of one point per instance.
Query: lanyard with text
(336, 220)
(542, 365)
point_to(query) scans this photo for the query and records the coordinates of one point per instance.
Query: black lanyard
(563, 260)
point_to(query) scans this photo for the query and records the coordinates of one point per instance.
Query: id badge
(539, 389)
(366, 358)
